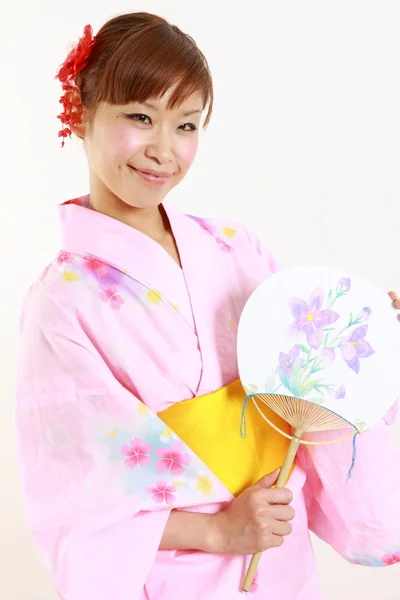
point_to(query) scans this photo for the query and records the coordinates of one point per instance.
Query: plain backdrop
(303, 147)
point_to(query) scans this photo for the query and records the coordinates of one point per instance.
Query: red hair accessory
(74, 63)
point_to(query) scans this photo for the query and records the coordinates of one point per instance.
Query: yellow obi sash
(210, 426)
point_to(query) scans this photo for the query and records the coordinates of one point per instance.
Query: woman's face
(139, 152)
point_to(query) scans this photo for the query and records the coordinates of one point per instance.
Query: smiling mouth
(152, 173)
(152, 177)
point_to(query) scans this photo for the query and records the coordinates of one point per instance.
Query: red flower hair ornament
(74, 63)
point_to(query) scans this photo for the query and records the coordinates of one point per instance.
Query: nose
(160, 147)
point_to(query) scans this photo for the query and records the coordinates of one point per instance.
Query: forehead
(193, 105)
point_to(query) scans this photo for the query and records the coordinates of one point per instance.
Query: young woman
(128, 359)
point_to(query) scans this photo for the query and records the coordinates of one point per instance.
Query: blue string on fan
(243, 433)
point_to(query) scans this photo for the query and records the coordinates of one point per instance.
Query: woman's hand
(396, 301)
(255, 521)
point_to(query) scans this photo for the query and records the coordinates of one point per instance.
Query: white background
(303, 147)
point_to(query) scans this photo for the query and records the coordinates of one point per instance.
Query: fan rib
(303, 415)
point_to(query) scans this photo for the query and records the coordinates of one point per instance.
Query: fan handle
(282, 481)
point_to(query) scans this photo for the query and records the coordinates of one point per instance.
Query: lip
(152, 176)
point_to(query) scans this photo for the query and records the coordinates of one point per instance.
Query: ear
(79, 130)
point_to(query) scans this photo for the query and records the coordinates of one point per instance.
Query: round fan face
(322, 335)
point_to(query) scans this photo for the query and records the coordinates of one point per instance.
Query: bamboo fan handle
(282, 481)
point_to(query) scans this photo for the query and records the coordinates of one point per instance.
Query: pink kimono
(114, 332)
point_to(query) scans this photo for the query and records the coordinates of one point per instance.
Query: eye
(192, 127)
(138, 117)
(141, 118)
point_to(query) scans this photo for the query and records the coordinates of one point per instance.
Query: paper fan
(319, 347)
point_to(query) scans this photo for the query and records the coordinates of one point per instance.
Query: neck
(150, 221)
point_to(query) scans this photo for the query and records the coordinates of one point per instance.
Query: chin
(146, 201)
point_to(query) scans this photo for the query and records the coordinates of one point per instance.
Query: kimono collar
(202, 250)
(86, 231)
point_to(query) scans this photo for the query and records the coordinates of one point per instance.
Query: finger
(276, 541)
(279, 496)
(395, 299)
(281, 528)
(282, 513)
(268, 480)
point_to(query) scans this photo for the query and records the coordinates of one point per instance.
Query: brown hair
(139, 56)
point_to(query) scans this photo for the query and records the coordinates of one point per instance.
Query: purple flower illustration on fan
(365, 313)
(311, 318)
(286, 361)
(302, 369)
(354, 347)
(340, 392)
(328, 355)
(346, 284)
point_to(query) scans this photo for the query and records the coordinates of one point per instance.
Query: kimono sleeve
(262, 250)
(358, 517)
(97, 541)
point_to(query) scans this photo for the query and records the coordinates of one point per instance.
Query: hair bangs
(145, 66)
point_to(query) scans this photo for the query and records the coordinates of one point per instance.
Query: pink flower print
(391, 559)
(172, 458)
(110, 295)
(96, 266)
(207, 228)
(137, 452)
(162, 492)
(310, 319)
(354, 347)
(64, 257)
(204, 224)
(224, 246)
(254, 585)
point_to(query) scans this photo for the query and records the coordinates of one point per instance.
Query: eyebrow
(185, 114)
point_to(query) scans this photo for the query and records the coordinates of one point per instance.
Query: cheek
(122, 142)
(188, 151)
